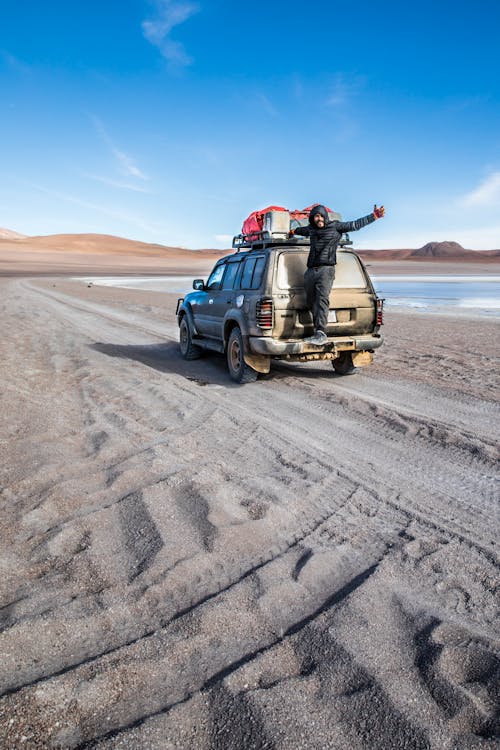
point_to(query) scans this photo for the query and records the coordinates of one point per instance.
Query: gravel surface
(309, 561)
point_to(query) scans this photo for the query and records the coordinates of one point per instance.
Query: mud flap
(360, 359)
(257, 362)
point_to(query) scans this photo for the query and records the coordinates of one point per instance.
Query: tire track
(166, 614)
(258, 527)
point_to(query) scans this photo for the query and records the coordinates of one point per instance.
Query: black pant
(318, 283)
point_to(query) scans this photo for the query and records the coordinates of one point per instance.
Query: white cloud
(125, 162)
(298, 88)
(267, 104)
(14, 63)
(171, 13)
(486, 194)
(128, 165)
(224, 237)
(126, 217)
(117, 183)
(344, 87)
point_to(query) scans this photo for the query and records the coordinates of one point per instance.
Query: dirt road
(308, 561)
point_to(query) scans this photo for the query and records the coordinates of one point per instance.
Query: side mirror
(199, 285)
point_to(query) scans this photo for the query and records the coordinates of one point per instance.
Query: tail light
(380, 312)
(264, 313)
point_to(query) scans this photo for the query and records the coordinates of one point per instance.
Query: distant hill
(95, 244)
(104, 253)
(98, 253)
(8, 234)
(441, 251)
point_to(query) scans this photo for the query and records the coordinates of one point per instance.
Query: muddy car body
(253, 308)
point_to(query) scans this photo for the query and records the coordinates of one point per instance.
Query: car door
(203, 309)
(224, 299)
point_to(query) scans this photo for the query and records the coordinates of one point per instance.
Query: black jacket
(324, 241)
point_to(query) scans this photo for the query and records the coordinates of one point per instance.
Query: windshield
(291, 267)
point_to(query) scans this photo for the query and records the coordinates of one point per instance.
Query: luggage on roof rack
(273, 220)
(272, 225)
(268, 225)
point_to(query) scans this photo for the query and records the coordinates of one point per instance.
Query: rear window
(291, 268)
(252, 273)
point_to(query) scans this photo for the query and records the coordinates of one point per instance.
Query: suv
(253, 309)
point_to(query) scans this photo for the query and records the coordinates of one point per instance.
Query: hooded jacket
(324, 242)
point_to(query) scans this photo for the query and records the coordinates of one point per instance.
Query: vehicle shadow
(209, 370)
(320, 370)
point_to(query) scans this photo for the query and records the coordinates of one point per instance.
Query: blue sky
(169, 121)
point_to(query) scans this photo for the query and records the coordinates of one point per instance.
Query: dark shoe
(318, 339)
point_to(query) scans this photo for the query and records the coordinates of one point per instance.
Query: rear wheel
(343, 364)
(238, 368)
(188, 349)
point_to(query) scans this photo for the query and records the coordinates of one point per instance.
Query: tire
(188, 349)
(343, 364)
(239, 371)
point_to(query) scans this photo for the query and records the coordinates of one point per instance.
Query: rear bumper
(283, 347)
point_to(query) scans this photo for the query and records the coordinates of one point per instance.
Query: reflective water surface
(475, 294)
(427, 293)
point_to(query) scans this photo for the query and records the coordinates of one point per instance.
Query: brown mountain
(102, 253)
(439, 251)
(95, 243)
(99, 253)
(442, 250)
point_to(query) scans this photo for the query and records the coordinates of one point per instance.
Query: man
(318, 279)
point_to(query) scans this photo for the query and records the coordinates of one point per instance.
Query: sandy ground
(308, 561)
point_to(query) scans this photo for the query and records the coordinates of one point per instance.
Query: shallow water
(175, 284)
(474, 294)
(430, 293)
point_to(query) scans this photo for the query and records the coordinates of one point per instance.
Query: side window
(246, 277)
(230, 275)
(252, 273)
(215, 277)
(257, 273)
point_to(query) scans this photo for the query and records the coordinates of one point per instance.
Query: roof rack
(260, 240)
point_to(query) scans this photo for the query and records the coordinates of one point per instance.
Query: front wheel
(343, 364)
(188, 349)
(238, 368)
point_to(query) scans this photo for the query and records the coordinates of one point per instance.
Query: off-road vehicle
(253, 309)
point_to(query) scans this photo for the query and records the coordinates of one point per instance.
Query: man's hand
(291, 232)
(379, 213)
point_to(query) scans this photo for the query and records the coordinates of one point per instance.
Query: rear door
(351, 299)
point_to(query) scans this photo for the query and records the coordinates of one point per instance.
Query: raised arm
(353, 226)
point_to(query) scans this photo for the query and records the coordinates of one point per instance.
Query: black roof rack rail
(260, 240)
(345, 240)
